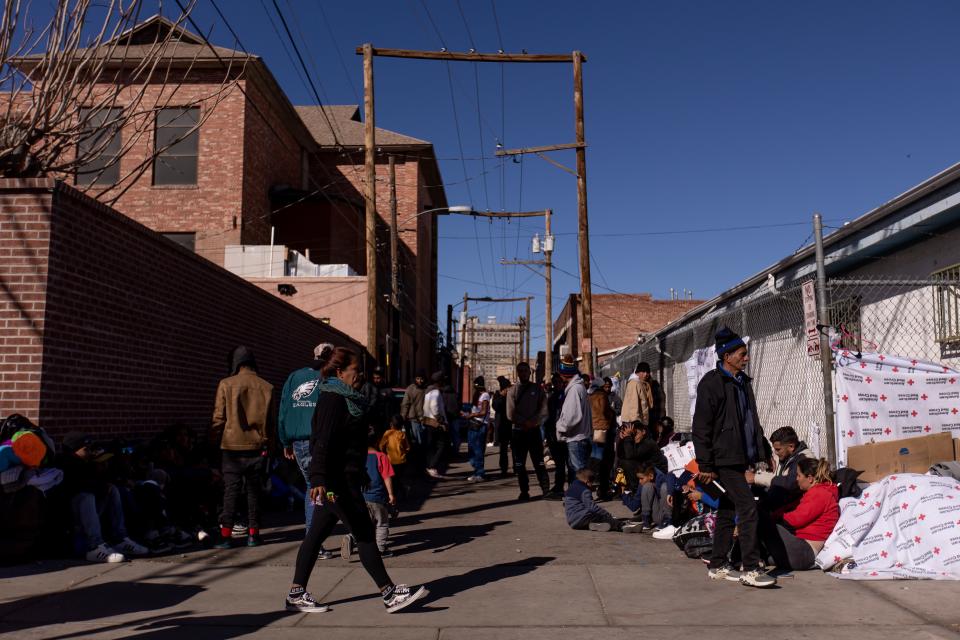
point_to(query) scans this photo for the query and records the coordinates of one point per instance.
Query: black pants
(439, 440)
(787, 550)
(559, 453)
(504, 437)
(524, 442)
(352, 510)
(239, 467)
(737, 501)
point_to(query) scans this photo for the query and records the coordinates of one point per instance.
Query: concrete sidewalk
(496, 568)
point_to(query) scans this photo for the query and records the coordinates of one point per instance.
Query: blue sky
(700, 115)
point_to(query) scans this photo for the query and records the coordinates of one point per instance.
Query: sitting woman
(794, 538)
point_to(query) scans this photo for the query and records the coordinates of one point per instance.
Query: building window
(176, 141)
(946, 305)
(185, 240)
(100, 144)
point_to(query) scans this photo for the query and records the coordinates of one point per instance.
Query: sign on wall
(810, 318)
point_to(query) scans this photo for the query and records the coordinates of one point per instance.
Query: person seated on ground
(652, 500)
(94, 502)
(780, 487)
(686, 501)
(793, 538)
(583, 513)
(194, 488)
(634, 450)
(665, 431)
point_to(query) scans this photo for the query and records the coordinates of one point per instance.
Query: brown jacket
(602, 414)
(637, 400)
(244, 412)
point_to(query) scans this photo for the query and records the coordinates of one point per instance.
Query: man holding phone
(729, 442)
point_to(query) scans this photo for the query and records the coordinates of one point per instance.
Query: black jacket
(338, 444)
(631, 455)
(718, 433)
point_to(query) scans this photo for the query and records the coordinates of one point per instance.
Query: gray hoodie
(576, 420)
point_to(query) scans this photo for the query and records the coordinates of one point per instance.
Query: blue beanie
(727, 341)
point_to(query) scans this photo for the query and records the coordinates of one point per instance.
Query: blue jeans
(579, 456)
(301, 451)
(88, 510)
(421, 433)
(477, 443)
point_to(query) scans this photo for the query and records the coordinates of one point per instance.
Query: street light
(461, 209)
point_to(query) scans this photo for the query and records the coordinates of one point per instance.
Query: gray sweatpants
(653, 503)
(380, 517)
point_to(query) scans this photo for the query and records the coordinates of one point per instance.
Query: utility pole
(583, 231)
(393, 356)
(548, 268)
(825, 354)
(463, 344)
(578, 59)
(526, 325)
(450, 326)
(370, 142)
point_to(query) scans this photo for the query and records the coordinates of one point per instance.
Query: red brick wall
(135, 330)
(24, 240)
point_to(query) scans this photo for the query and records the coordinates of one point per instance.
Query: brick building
(618, 320)
(259, 171)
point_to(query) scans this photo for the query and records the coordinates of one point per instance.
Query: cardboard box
(956, 448)
(909, 455)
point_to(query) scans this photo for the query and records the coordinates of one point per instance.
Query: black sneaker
(224, 543)
(305, 603)
(386, 553)
(325, 555)
(524, 496)
(403, 596)
(254, 541)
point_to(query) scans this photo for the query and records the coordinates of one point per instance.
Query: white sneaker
(489, 444)
(130, 548)
(665, 533)
(403, 596)
(103, 553)
(433, 473)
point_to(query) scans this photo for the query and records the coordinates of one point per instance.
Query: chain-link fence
(914, 318)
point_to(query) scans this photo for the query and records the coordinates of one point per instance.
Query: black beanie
(727, 341)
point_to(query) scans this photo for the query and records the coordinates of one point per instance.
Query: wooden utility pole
(463, 345)
(577, 58)
(370, 142)
(583, 230)
(393, 355)
(548, 268)
(526, 325)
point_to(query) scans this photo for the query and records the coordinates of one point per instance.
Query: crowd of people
(339, 443)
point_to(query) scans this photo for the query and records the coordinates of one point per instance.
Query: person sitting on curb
(583, 513)
(781, 488)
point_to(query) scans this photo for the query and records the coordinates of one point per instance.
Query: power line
(336, 47)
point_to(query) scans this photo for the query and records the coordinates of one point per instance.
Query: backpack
(695, 537)
(846, 481)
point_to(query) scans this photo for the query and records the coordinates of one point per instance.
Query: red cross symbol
(936, 550)
(874, 573)
(883, 398)
(837, 558)
(923, 397)
(953, 411)
(845, 353)
(868, 380)
(953, 380)
(910, 382)
(884, 554)
(863, 365)
(922, 516)
(927, 428)
(896, 369)
(850, 433)
(845, 397)
(866, 495)
(899, 565)
(913, 362)
(914, 413)
(882, 358)
(905, 506)
(887, 431)
(916, 539)
(877, 504)
(893, 477)
(862, 503)
(873, 414)
(888, 534)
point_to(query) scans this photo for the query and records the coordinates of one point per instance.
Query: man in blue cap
(729, 441)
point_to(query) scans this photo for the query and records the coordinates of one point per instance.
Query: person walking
(337, 473)
(244, 418)
(575, 422)
(527, 411)
(435, 418)
(297, 403)
(558, 449)
(477, 419)
(502, 427)
(411, 408)
(638, 398)
(728, 441)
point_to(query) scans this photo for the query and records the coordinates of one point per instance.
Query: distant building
(492, 349)
(619, 320)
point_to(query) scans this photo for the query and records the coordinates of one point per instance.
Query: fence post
(825, 353)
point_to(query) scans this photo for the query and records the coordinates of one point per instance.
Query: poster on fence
(702, 361)
(882, 397)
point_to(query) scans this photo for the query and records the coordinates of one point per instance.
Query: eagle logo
(304, 390)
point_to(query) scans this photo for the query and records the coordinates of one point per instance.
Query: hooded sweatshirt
(244, 413)
(576, 419)
(817, 514)
(297, 402)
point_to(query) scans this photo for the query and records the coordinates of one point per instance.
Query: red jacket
(817, 514)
